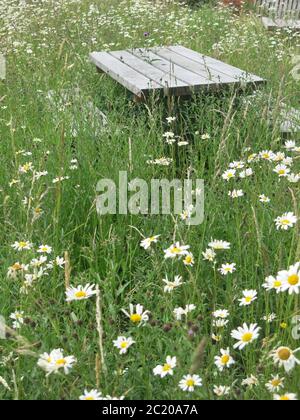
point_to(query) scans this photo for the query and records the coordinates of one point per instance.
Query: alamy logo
(2, 67)
(296, 69)
(2, 328)
(161, 196)
(296, 328)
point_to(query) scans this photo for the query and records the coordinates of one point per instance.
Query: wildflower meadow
(133, 305)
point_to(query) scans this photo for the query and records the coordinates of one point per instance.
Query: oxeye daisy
(285, 357)
(56, 360)
(188, 260)
(286, 397)
(22, 246)
(221, 391)
(167, 368)
(225, 360)
(137, 315)
(290, 145)
(80, 292)
(172, 285)
(221, 313)
(227, 269)
(236, 193)
(245, 335)
(146, 243)
(251, 381)
(209, 255)
(286, 221)
(247, 173)
(18, 318)
(123, 344)
(272, 283)
(176, 250)
(219, 245)
(92, 395)
(290, 279)
(180, 312)
(282, 170)
(237, 165)
(275, 384)
(228, 175)
(44, 249)
(249, 297)
(267, 155)
(190, 382)
(220, 323)
(264, 199)
(293, 178)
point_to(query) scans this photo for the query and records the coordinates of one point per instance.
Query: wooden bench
(171, 71)
(280, 14)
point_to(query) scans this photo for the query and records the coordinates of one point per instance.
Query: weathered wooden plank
(195, 67)
(129, 78)
(223, 68)
(273, 24)
(191, 79)
(168, 81)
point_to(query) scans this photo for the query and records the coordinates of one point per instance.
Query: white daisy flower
(22, 246)
(80, 292)
(227, 269)
(282, 170)
(188, 260)
(285, 357)
(225, 360)
(176, 250)
(251, 381)
(285, 397)
(56, 360)
(92, 395)
(275, 384)
(237, 165)
(264, 199)
(228, 175)
(267, 155)
(172, 285)
(180, 312)
(190, 382)
(245, 335)
(137, 315)
(167, 368)
(290, 145)
(44, 249)
(272, 283)
(221, 313)
(221, 391)
(293, 178)
(247, 173)
(286, 221)
(236, 193)
(122, 343)
(290, 279)
(18, 318)
(146, 243)
(218, 245)
(209, 255)
(249, 297)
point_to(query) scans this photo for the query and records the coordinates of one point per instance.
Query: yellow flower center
(189, 259)
(225, 359)
(190, 382)
(22, 244)
(277, 284)
(60, 362)
(16, 267)
(80, 294)
(285, 222)
(89, 398)
(136, 318)
(247, 337)
(293, 279)
(175, 250)
(166, 367)
(248, 299)
(281, 172)
(284, 354)
(124, 345)
(284, 398)
(276, 383)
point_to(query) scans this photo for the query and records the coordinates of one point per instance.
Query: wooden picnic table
(172, 71)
